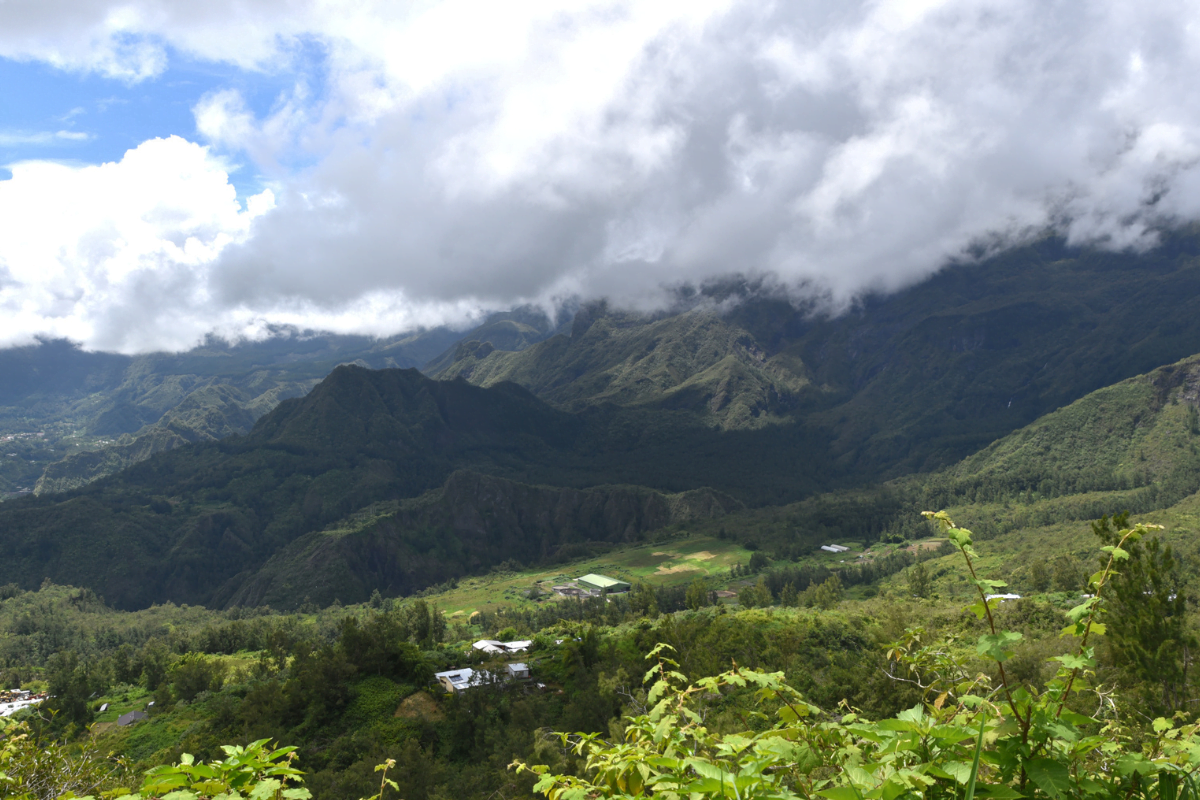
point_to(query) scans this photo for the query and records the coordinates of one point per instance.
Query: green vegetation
(986, 734)
(925, 688)
(195, 524)
(301, 582)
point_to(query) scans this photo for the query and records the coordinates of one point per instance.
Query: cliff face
(471, 523)
(695, 361)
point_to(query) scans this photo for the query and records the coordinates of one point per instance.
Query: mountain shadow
(180, 525)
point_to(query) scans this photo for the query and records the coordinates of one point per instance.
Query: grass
(661, 564)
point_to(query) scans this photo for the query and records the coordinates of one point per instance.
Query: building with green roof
(602, 583)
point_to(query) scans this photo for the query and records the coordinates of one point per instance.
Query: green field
(661, 564)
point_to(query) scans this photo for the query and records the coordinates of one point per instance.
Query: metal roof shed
(601, 583)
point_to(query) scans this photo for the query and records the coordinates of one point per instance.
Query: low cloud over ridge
(467, 156)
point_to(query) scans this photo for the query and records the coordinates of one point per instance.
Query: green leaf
(264, 790)
(1116, 552)
(998, 792)
(1074, 662)
(897, 725)
(993, 645)
(1080, 611)
(1135, 762)
(841, 793)
(958, 771)
(180, 794)
(1168, 786)
(657, 690)
(1050, 776)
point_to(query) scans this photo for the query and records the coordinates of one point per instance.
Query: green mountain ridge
(100, 413)
(909, 382)
(797, 417)
(182, 524)
(469, 524)
(694, 360)
(1132, 446)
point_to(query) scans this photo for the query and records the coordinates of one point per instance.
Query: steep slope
(511, 330)
(471, 523)
(97, 413)
(1133, 446)
(183, 523)
(210, 411)
(907, 382)
(1139, 438)
(693, 361)
(944, 368)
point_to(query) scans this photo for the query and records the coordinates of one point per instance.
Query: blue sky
(84, 117)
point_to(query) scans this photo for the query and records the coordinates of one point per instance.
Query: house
(834, 548)
(458, 680)
(517, 671)
(1002, 597)
(602, 583)
(125, 720)
(493, 647)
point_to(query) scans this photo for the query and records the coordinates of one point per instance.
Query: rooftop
(602, 581)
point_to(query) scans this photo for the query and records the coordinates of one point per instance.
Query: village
(15, 700)
(518, 672)
(11, 437)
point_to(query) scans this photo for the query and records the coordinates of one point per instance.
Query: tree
(757, 595)
(1147, 629)
(920, 583)
(69, 688)
(825, 595)
(970, 736)
(1067, 575)
(697, 594)
(196, 673)
(642, 601)
(155, 659)
(1040, 576)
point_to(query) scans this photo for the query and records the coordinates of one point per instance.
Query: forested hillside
(92, 414)
(192, 525)
(905, 382)
(743, 405)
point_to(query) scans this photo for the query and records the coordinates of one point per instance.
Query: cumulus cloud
(467, 155)
(116, 254)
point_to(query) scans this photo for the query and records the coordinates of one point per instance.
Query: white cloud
(466, 154)
(16, 138)
(115, 255)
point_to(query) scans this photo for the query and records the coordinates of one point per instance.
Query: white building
(493, 647)
(457, 680)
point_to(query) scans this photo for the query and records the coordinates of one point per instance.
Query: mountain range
(267, 473)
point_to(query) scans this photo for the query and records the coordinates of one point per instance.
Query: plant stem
(992, 624)
(1087, 629)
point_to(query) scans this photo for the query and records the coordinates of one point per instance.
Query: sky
(170, 170)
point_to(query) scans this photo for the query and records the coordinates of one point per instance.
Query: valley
(291, 547)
